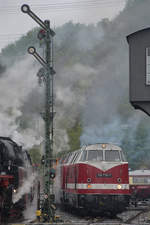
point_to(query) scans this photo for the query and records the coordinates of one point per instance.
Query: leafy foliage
(17, 50)
(35, 155)
(74, 134)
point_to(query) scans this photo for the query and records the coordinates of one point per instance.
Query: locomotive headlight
(14, 190)
(119, 186)
(103, 145)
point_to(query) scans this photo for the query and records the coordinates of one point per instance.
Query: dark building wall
(138, 42)
(139, 90)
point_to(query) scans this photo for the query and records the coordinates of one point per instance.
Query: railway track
(137, 216)
(84, 223)
(133, 216)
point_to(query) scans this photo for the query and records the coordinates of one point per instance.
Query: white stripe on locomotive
(97, 186)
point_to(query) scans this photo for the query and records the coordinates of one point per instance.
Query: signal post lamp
(25, 8)
(46, 74)
(31, 50)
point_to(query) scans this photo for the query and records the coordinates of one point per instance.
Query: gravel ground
(73, 217)
(143, 218)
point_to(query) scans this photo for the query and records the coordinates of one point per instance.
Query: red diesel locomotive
(95, 177)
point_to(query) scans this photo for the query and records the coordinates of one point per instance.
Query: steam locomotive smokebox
(139, 69)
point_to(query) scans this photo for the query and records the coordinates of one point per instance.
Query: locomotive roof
(139, 173)
(102, 146)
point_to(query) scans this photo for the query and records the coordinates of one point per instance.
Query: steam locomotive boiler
(14, 167)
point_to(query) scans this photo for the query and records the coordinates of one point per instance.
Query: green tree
(35, 155)
(74, 134)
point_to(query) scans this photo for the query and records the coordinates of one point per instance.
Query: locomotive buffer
(46, 74)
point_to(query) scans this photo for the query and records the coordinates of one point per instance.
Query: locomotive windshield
(123, 157)
(112, 156)
(83, 156)
(92, 155)
(95, 155)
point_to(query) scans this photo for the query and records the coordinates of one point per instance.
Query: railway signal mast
(46, 74)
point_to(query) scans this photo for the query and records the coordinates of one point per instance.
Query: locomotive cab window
(74, 157)
(71, 156)
(95, 155)
(123, 158)
(91, 155)
(83, 156)
(112, 156)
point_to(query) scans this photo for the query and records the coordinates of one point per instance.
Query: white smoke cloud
(72, 86)
(102, 119)
(112, 132)
(25, 188)
(26, 138)
(15, 86)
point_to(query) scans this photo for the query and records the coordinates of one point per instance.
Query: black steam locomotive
(15, 164)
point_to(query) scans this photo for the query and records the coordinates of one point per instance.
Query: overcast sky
(14, 23)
